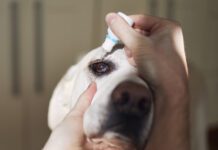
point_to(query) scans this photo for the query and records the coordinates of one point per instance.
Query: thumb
(84, 100)
(123, 31)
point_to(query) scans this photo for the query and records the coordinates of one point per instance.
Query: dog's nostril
(143, 104)
(124, 98)
(131, 98)
(121, 98)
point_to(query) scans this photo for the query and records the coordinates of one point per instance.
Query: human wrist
(176, 93)
(171, 124)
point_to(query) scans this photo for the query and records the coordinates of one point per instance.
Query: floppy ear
(60, 102)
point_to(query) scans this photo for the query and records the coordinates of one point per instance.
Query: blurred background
(41, 39)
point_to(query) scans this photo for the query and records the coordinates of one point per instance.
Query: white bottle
(111, 39)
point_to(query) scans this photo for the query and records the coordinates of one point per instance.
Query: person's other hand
(69, 135)
(155, 46)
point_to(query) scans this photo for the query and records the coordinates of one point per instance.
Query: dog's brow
(116, 47)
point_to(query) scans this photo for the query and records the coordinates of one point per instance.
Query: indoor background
(41, 39)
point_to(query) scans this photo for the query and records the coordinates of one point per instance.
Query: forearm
(171, 124)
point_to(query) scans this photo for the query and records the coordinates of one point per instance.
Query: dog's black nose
(131, 98)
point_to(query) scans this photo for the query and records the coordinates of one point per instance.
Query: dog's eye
(100, 68)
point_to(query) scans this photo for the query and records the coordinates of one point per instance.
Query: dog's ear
(61, 98)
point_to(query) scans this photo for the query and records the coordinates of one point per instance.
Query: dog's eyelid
(95, 61)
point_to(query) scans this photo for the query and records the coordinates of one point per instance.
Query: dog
(121, 111)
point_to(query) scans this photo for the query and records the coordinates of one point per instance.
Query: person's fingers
(84, 100)
(133, 39)
(123, 31)
(142, 32)
(145, 23)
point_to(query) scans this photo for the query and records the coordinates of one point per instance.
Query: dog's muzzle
(129, 113)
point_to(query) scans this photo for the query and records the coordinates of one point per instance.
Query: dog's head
(121, 111)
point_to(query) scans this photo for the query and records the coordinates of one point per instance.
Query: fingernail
(91, 90)
(111, 17)
(91, 84)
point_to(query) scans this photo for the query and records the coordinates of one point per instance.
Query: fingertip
(85, 99)
(110, 17)
(91, 90)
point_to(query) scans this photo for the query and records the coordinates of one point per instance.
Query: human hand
(69, 135)
(155, 46)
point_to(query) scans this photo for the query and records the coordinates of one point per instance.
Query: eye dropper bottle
(111, 39)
